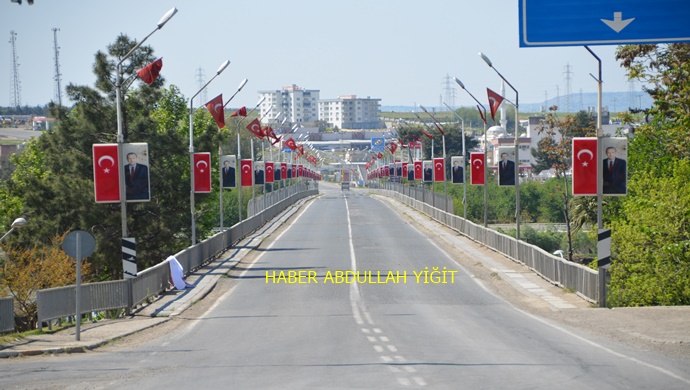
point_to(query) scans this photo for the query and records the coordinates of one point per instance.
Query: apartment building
(350, 112)
(295, 104)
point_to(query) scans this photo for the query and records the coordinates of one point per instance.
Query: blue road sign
(603, 22)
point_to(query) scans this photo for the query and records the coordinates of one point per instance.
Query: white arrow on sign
(617, 24)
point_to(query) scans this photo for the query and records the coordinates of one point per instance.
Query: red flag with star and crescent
(246, 172)
(495, 101)
(481, 114)
(477, 171)
(585, 166)
(418, 172)
(215, 107)
(270, 173)
(290, 143)
(255, 127)
(150, 72)
(241, 112)
(270, 133)
(439, 170)
(106, 174)
(202, 172)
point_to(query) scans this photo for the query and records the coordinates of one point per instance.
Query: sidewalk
(165, 306)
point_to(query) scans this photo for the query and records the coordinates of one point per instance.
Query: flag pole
(600, 183)
(481, 108)
(464, 152)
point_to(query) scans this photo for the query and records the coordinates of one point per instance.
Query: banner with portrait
(136, 172)
(614, 167)
(506, 166)
(228, 176)
(457, 169)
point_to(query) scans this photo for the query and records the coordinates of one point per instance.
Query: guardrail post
(130, 296)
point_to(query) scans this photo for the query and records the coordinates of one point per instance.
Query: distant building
(349, 112)
(295, 104)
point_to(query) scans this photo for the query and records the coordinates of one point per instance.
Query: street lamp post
(191, 147)
(486, 176)
(239, 88)
(17, 224)
(600, 181)
(517, 151)
(118, 98)
(464, 179)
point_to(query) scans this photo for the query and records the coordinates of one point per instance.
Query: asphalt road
(18, 133)
(270, 333)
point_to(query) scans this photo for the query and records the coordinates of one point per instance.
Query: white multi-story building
(295, 104)
(349, 112)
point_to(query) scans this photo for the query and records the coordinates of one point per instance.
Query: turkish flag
(294, 170)
(427, 134)
(150, 72)
(215, 107)
(270, 174)
(439, 128)
(283, 171)
(290, 144)
(478, 171)
(241, 112)
(202, 172)
(300, 170)
(481, 114)
(418, 172)
(246, 173)
(393, 147)
(270, 133)
(255, 127)
(379, 156)
(495, 101)
(585, 166)
(439, 170)
(106, 173)
(404, 169)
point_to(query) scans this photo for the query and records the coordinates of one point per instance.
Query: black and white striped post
(603, 262)
(129, 258)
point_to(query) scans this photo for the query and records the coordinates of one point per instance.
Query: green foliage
(650, 235)
(652, 241)
(52, 184)
(549, 240)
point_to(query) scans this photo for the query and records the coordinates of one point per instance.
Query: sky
(399, 51)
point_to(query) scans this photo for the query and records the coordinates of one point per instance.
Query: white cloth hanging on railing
(177, 274)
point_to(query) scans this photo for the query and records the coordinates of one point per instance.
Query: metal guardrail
(60, 302)
(434, 199)
(583, 280)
